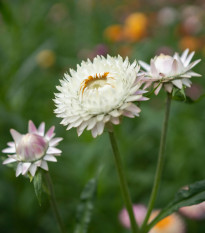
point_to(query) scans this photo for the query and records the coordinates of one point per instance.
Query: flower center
(95, 82)
(164, 63)
(32, 147)
(166, 222)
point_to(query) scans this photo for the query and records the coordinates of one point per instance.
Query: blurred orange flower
(113, 33)
(190, 42)
(171, 224)
(135, 27)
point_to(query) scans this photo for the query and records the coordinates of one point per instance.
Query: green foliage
(26, 91)
(193, 194)
(85, 207)
(37, 183)
(179, 94)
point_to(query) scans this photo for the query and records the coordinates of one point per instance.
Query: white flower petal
(186, 82)
(153, 69)
(116, 113)
(91, 123)
(129, 114)
(41, 129)
(100, 127)
(144, 65)
(11, 144)
(44, 165)
(33, 169)
(193, 74)
(55, 141)
(168, 87)
(9, 160)
(50, 133)
(9, 150)
(184, 55)
(53, 150)
(94, 132)
(15, 135)
(133, 109)
(193, 64)
(19, 169)
(115, 120)
(25, 167)
(50, 158)
(188, 59)
(158, 89)
(177, 83)
(32, 127)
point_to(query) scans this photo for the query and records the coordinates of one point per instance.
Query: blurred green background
(39, 41)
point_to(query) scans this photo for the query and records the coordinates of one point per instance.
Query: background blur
(39, 41)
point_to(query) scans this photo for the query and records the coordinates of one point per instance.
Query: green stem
(159, 163)
(53, 202)
(123, 183)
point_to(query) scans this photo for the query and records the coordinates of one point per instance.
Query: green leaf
(179, 94)
(194, 194)
(85, 207)
(37, 183)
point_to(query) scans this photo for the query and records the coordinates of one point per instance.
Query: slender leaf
(37, 183)
(85, 207)
(194, 194)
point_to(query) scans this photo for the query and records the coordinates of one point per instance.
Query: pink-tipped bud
(31, 147)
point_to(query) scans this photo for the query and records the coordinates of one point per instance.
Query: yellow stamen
(87, 82)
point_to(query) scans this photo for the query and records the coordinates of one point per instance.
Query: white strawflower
(165, 70)
(32, 150)
(97, 93)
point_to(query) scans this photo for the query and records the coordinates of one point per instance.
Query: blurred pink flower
(194, 211)
(194, 92)
(32, 150)
(139, 212)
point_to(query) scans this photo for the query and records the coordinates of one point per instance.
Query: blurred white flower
(97, 93)
(32, 150)
(167, 16)
(171, 224)
(165, 70)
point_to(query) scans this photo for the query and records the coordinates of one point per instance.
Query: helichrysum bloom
(32, 150)
(171, 224)
(169, 71)
(97, 93)
(139, 213)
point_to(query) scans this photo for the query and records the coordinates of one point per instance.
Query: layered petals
(170, 71)
(98, 92)
(32, 150)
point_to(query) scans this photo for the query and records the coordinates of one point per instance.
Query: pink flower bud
(31, 147)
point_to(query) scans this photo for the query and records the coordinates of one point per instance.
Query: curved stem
(123, 183)
(53, 202)
(160, 162)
